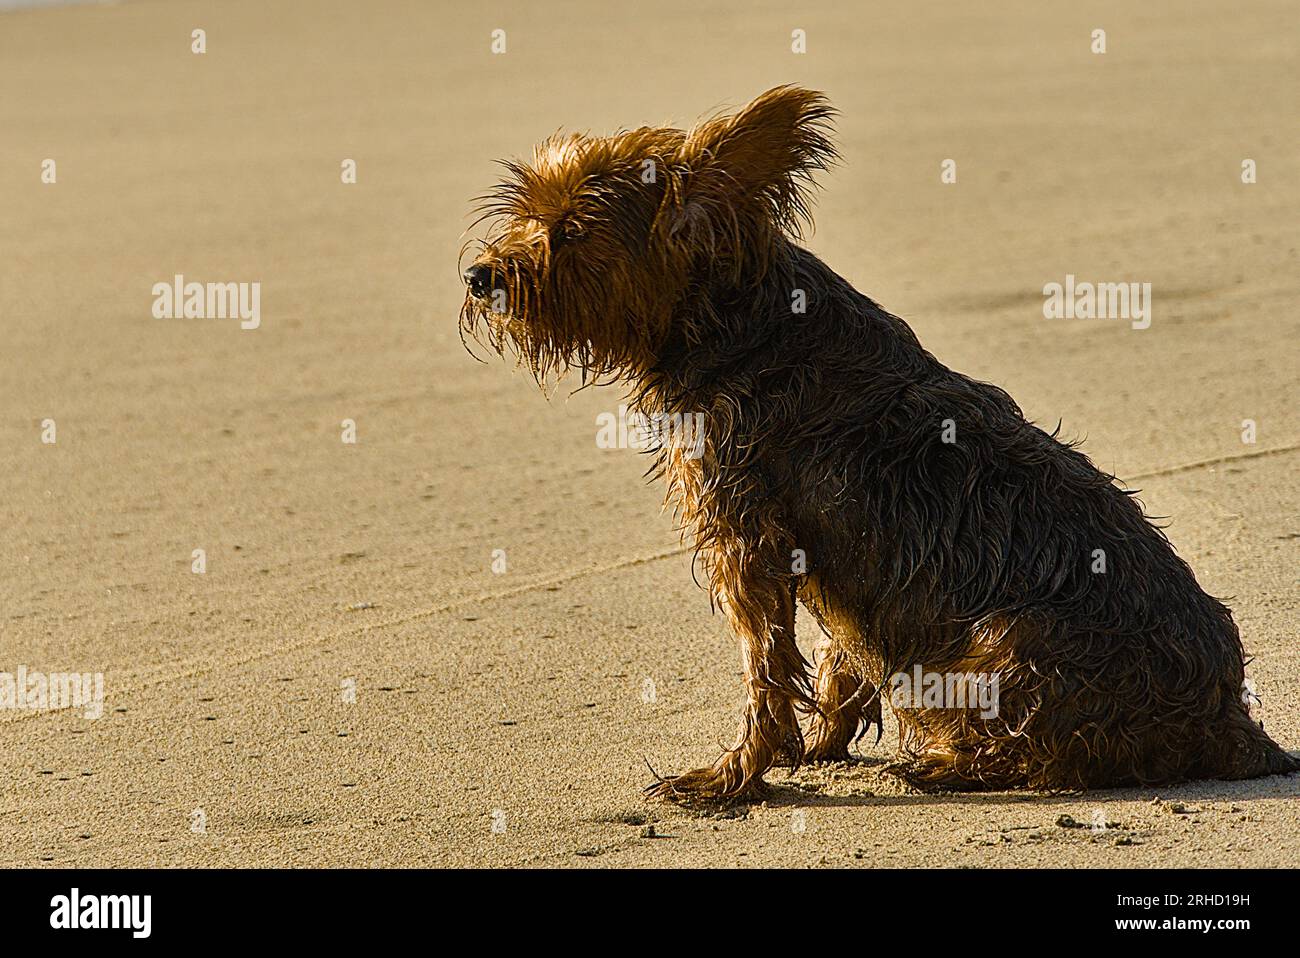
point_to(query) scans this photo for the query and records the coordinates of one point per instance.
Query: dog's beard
(511, 320)
(524, 323)
(500, 329)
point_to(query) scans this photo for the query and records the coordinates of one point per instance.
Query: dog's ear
(761, 159)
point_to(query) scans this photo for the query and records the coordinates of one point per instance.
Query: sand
(500, 718)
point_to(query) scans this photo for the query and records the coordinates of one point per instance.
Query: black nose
(479, 280)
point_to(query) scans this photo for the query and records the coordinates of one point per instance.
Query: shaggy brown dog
(939, 528)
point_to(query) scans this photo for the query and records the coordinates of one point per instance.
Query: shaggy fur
(667, 260)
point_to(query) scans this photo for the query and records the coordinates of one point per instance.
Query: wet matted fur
(667, 260)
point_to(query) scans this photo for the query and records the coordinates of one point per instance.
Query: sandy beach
(348, 681)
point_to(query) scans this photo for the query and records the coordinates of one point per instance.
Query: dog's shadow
(869, 773)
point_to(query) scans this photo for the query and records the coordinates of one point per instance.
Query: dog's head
(598, 240)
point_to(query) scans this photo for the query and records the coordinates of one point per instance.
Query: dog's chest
(684, 477)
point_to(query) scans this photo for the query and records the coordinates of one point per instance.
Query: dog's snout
(479, 280)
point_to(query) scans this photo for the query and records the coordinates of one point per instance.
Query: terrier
(913, 511)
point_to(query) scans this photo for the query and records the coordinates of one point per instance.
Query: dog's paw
(930, 776)
(791, 755)
(826, 753)
(707, 786)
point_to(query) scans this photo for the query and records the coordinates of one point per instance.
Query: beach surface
(349, 681)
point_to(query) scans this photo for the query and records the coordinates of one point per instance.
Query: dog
(913, 511)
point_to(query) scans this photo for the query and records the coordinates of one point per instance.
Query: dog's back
(943, 529)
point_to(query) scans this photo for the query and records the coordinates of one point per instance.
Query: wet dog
(920, 518)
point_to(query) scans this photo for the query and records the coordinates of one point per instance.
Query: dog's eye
(565, 231)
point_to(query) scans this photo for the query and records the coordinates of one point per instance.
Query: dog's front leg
(776, 683)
